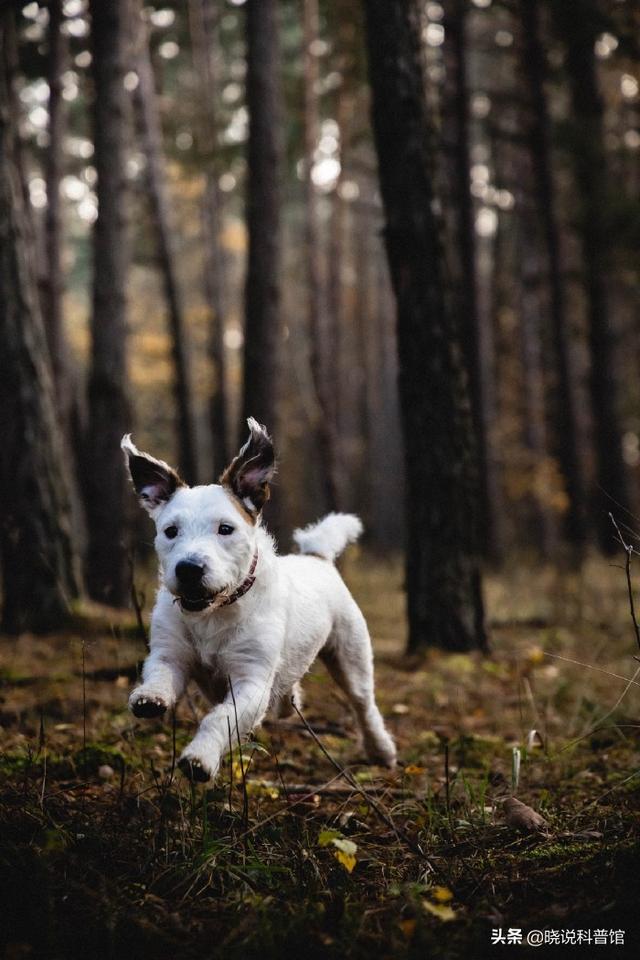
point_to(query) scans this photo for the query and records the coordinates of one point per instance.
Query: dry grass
(104, 853)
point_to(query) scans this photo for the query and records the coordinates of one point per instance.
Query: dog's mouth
(197, 602)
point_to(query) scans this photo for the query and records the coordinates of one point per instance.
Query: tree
(203, 23)
(442, 573)
(39, 575)
(148, 119)
(262, 291)
(539, 140)
(108, 409)
(578, 26)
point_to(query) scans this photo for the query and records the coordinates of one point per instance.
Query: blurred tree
(148, 120)
(262, 291)
(39, 577)
(443, 578)
(322, 349)
(578, 26)
(106, 491)
(205, 45)
(539, 143)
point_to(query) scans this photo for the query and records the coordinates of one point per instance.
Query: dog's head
(206, 535)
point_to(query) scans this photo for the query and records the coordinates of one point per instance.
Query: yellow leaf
(440, 910)
(347, 860)
(441, 894)
(413, 770)
(408, 927)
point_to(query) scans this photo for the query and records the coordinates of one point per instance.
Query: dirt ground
(105, 850)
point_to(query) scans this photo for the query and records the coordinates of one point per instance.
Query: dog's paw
(145, 706)
(194, 770)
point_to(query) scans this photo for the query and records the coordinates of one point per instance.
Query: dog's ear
(249, 474)
(154, 480)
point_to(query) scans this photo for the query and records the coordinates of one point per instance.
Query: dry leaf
(347, 860)
(519, 815)
(440, 910)
(408, 928)
(413, 770)
(441, 894)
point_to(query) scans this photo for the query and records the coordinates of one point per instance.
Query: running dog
(243, 622)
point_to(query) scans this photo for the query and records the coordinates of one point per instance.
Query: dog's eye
(225, 529)
(171, 532)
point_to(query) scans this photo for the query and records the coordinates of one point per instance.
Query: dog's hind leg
(283, 707)
(349, 659)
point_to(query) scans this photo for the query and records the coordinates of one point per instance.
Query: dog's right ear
(154, 480)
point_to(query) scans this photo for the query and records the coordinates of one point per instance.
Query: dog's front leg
(164, 677)
(242, 709)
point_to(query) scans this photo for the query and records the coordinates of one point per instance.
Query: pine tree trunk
(203, 22)
(106, 490)
(463, 249)
(39, 576)
(443, 578)
(321, 348)
(539, 134)
(262, 294)
(148, 120)
(578, 27)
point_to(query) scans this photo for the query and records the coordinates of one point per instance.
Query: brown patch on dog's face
(240, 507)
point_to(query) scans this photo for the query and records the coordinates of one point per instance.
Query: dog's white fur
(256, 650)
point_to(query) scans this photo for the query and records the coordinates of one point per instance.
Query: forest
(403, 235)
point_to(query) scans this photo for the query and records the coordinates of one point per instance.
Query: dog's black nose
(189, 573)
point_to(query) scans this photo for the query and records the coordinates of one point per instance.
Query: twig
(629, 550)
(375, 806)
(245, 795)
(138, 599)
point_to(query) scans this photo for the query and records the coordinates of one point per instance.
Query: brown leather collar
(244, 587)
(222, 599)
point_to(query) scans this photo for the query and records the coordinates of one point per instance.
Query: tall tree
(52, 299)
(321, 348)
(148, 120)
(262, 292)
(205, 44)
(442, 573)
(39, 578)
(578, 26)
(108, 408)
(539, 139)
(462, 251)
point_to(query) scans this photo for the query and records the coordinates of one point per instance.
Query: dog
(243, 622)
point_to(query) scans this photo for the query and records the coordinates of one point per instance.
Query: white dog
(241, 621)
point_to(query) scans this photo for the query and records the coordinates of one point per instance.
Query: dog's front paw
(144, 705)
(194, 769)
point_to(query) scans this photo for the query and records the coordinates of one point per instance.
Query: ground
(105, 850)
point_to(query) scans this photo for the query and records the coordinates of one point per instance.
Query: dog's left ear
(154, 480)
(249, 474)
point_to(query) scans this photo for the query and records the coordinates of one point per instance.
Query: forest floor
(106, 851)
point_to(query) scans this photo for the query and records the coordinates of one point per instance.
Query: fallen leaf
(408, 928)
(347, 860)
(440, 910)
(519, 815)
(441, 894)
(413, 770)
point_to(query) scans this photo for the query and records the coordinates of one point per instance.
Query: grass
(105, 851)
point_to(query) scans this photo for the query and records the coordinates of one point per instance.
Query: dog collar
(222, 599)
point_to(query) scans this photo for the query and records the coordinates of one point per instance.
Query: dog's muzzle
(193, 598)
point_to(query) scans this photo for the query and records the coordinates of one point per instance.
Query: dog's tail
(328, 537)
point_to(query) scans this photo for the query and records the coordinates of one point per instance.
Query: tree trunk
(39, 578)
(109, 416)
(578, 26)
(262, 295)
(52, 300)
(539, 135)
(443, 577)
(321, 348)
(463, 248)
(205, 46)
(148, 119)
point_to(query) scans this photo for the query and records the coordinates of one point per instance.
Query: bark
(262, 293)
(539, 137)
(148, 120)
(442, 572)
(578, 29)
(456, 125)
(39, 576)
(206, 46)
(321, 345)
(106, 492)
